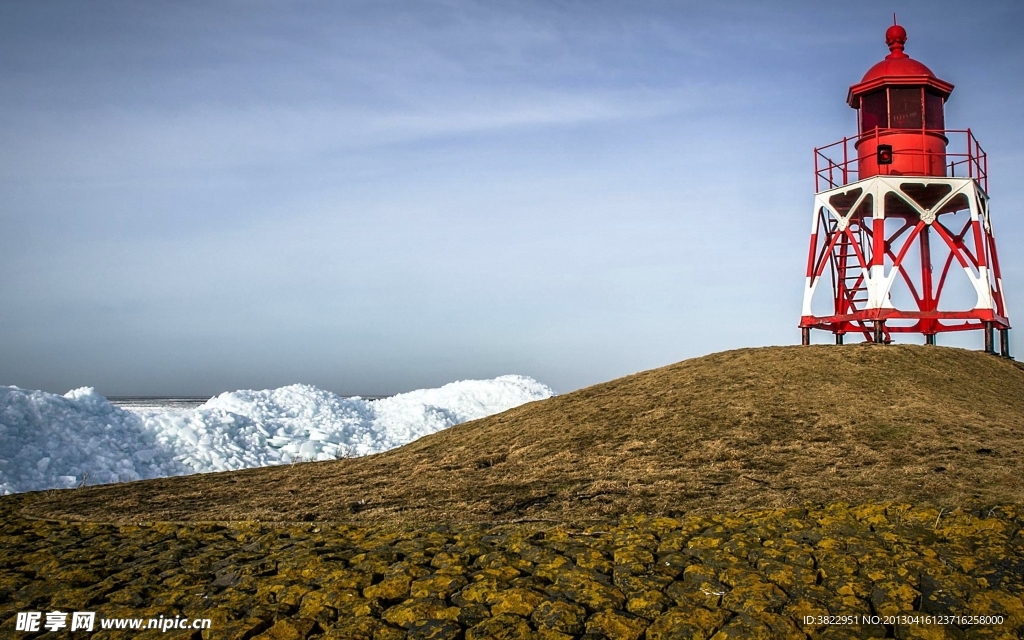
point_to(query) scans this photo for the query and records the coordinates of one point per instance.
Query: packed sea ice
(50, 441)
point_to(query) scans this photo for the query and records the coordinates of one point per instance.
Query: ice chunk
(307, 450)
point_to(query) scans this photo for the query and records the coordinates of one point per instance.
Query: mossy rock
(406, 613)
(503, 627)
(545, 581)
(616, 626)
(518, 601)
(560, 616)
(686, 623)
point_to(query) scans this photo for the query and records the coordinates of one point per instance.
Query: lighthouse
(901, 235)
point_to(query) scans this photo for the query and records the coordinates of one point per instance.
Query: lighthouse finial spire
(895, 37)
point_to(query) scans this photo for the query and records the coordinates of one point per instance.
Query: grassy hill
(765, 427)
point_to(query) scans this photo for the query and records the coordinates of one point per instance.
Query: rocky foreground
(753, 574)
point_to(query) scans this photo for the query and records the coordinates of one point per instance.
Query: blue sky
(378, 196)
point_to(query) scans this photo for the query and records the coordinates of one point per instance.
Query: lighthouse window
(933, 111)
(905, 106)
(874, 111)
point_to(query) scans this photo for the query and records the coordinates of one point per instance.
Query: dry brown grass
(771, 426)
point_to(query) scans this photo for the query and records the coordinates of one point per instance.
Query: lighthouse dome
(897, 69)
(905, 66)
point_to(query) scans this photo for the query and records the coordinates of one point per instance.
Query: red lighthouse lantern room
(899, 109)
(901, 225)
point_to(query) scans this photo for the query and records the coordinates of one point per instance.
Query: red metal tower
(901, 212)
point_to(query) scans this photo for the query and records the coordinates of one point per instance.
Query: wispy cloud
(106, 144)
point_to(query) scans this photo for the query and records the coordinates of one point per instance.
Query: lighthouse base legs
(879, 333)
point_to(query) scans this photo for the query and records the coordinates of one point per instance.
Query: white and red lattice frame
(892, 246)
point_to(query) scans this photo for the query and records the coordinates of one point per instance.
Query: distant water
(157, 403)
(175, 403)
